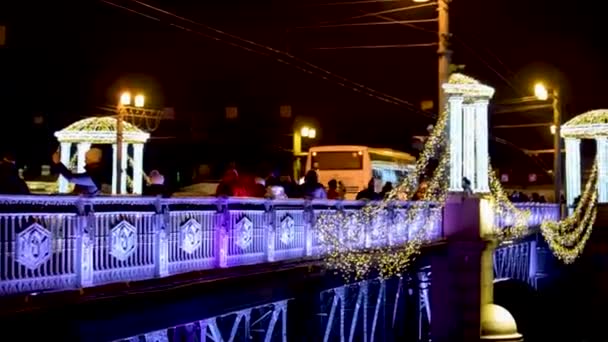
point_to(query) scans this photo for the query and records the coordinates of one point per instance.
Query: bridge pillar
(463, 271)
(161, 240)
(468, 132)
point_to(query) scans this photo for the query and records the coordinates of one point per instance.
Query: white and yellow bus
(354, 166)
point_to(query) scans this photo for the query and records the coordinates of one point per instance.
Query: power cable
(392, 46)
(392, 10)
(283, 57)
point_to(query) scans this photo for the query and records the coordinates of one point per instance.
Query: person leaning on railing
(88, 182)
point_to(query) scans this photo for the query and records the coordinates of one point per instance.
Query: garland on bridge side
(343, 234)
(567, 238)
(516, 219)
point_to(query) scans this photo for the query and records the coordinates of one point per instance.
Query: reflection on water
(372, 310)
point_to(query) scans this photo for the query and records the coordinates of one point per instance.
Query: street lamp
(123, 105)
(543, 94)
(298, 134)
(139, 101)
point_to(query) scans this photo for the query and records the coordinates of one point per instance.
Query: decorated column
(455, 139)
(83, 147)
(463, 273)
(468, 144)
(114, 176)
(123, 166)
(138, 164)
(602, 175)
(573, 169)
(66, 154)
(468, 132)
(481, 147)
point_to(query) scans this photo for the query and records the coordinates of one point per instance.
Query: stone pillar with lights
(589, 125)
(138, 165)
(101, 130)
(83, 147)
(66, 155)
(462, 268)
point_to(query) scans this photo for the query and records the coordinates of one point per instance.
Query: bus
(354, 166)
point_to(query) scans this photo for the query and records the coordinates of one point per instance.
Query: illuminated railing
(539, 212)
(64, 242)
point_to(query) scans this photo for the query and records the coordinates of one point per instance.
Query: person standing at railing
(311, 188)
(89, 182)
(157, 185)
(10, 182)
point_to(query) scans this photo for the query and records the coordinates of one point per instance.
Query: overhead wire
(280, 56)
(391, 46)
(351, 3)
(374, 23)
(372, 14)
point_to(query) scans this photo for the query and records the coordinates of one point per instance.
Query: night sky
(63, 59)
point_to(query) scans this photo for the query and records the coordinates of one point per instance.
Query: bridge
(53, 243)
(59, 243)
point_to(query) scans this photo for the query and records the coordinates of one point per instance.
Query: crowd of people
(233, 185)
(519, 197)
(91, 182)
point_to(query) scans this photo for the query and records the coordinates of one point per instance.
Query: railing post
(368, 227)
(221, 233)
(83, 257)
(270, 230)
(161, 241)
(533, 263)
(390, 223)
(309, 230)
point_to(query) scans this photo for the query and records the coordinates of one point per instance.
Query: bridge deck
(51, 243)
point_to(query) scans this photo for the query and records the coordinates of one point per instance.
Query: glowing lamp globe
(541, 92)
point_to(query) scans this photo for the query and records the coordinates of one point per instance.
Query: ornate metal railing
(64, 242)
(539, 212)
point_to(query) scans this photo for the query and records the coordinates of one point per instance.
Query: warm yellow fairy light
(567, 238)
(504, 208)
(343, 234)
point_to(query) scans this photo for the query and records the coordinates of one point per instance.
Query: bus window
(337, 161)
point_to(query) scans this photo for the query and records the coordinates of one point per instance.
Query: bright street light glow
(541, 92)
(552, 129)
(420, 0)
(312, 133)
(305, 131)
(125, 99)
(139, 100)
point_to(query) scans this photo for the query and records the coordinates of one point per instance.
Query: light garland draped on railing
(567, 238)
(342, 233)
(517, 222)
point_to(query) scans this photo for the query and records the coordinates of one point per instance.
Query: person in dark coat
(10, 182)
(157, 185)
(311, 188)
(369, 193)
(88, 182)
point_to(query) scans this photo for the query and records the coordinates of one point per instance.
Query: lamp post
(123, 103)
(298, 134)
(443, 52)
(541, 93)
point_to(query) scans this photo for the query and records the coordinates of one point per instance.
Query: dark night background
(62, 59)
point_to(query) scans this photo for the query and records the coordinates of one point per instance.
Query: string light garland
(348, 237)
(567, 238)
(516, 219)
(589, 125)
